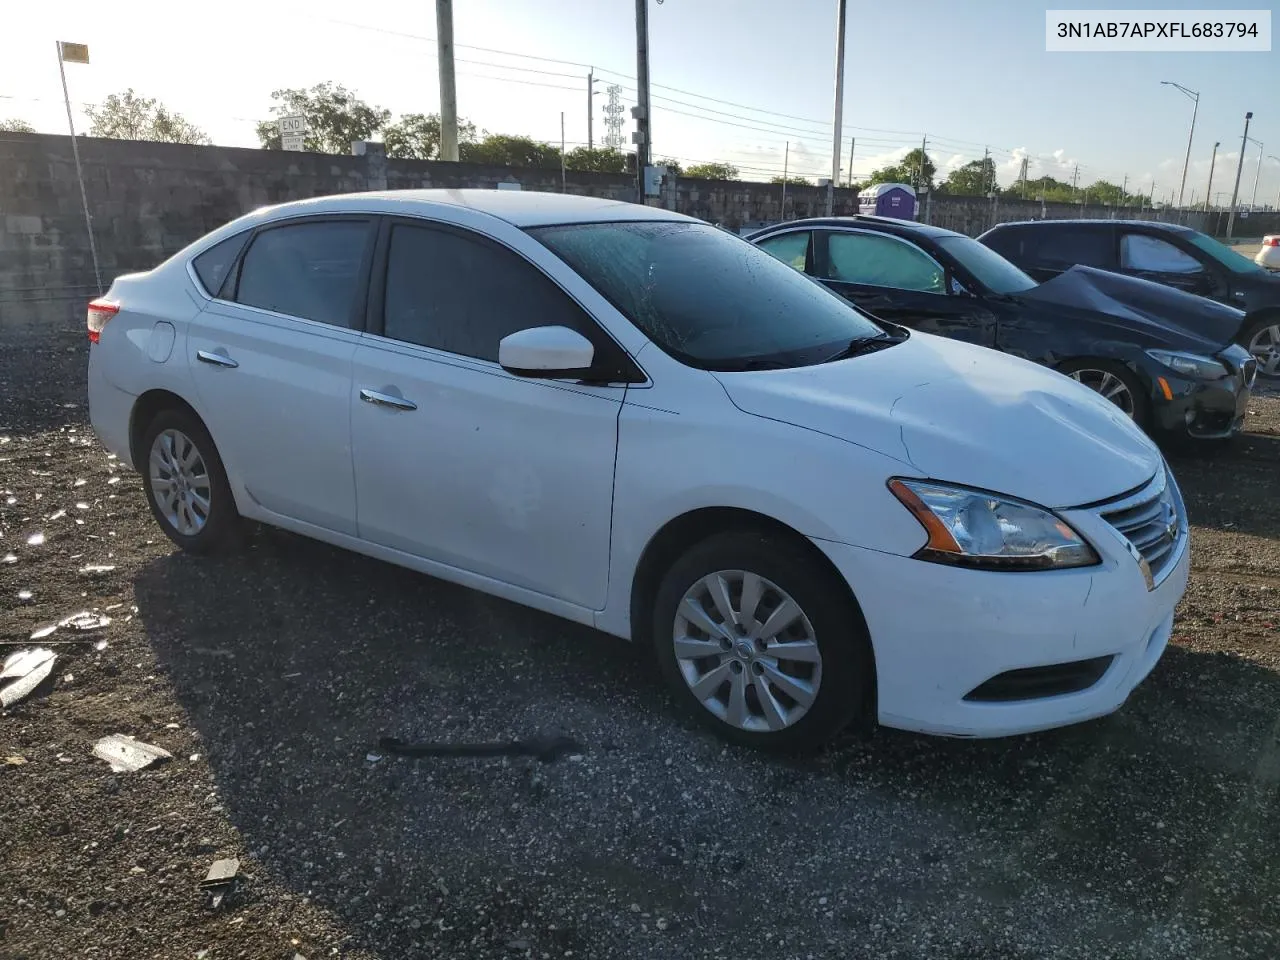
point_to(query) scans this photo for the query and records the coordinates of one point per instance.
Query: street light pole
(1256, 174)
(1272, 156)
(1195, 96)
(1235, 191)
(839, 108)
(1208, 190)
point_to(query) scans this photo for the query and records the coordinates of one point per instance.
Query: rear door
(1166, 259)
(270, 358)
(893, 279)
(1050, 249)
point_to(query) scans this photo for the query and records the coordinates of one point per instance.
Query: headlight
(1189, 364)
(972, 528)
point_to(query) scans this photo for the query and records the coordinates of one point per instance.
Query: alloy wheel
(180, 482)
(1109, 386)
(1265, 347)
(747, 651)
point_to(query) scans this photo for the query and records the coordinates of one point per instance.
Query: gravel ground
(270, 677)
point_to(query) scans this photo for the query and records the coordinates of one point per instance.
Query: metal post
(1235, 191)
(852, 143)
(1208, 188)
(839, 108)
(786, 159)
(1277, 160)
(1124, 192)
(924, 141)
(75, 153)
(1256, 174)
(448, 91)
(642, 93)
(590, 107)
(1195, 97)
(564, 183)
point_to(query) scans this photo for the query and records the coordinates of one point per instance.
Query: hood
(961, 413)
(1183, 320)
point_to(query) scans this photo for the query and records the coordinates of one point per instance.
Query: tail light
(100, 311)
(1271, 242)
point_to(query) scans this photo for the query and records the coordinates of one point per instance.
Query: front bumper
(1204, 409)
(939, 633)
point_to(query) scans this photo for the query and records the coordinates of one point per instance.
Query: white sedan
(635, 420)
(1269, 253)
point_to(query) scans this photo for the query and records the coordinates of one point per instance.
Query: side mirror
(550, 352)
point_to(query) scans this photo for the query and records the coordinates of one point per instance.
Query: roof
(886, 224)
(1098, 222)
(523, 208)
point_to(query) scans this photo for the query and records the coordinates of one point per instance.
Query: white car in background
(1269, 255)
(637, 421)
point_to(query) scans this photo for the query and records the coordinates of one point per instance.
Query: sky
(745, 81)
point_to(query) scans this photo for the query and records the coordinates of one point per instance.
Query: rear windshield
(708, 298)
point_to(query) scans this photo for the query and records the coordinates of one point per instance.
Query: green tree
(416, 136)
(14, 125)
(500, 149)
(794, 181)
(907, 170)
(674, 167)
(712, 171)
(127, 116)
(975, 179)
(598, 160)
(335, 118)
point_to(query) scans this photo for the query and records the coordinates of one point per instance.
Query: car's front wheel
(760, 640)
(1262, 339)
(1114, 382)
(186, 484)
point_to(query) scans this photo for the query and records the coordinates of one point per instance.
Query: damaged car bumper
(1205, 409)
(966, 656)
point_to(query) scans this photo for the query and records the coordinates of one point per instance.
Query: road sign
(74, 52)
(293, 132)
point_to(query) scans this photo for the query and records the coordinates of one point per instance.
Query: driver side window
(882, 261)
(1149, 254)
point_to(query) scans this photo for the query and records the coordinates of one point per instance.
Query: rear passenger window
(212, 265)
(309, 270)
(1065, 247)
(450, 292)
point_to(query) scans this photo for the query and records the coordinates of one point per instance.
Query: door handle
(387, 400)
(217, 359)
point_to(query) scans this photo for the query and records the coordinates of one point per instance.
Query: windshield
(1229, 258)
(708, 298)
(991, 270)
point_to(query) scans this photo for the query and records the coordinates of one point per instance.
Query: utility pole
(643, 133)
(1256, 173)
(564, 180)
(1195, 96)
(1235, 191)
(786, 160)
(1277, 160)
(986, 153)
(1075, 179)
(852, 143)
(1124, 192)
(448, 92)
(839, 108)
(1208, 189)
(924, 142)
(590, 107)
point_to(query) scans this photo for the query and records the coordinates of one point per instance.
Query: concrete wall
(151, 199)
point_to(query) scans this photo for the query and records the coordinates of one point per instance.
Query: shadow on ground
(294, 658)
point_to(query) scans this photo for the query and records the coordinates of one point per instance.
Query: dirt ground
(271, 675)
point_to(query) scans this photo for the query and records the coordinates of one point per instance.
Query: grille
(1152, 522)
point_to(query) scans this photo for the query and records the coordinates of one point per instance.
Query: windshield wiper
(863, 345)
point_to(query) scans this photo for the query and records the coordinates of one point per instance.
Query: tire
(1080, 371)
(830, 618)
(192, 528)
(1264, 333)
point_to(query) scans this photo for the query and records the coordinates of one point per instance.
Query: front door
(271, 365)
(895, 280)
(459, 461)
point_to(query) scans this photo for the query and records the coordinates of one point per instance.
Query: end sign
(293, 132)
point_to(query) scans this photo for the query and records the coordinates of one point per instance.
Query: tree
(712, 171)
(907, 170)
(794, 181)
(416, 136)
(14, 125)
(976, 178)
(335, 118)
(502, 150)
(127, 116)
(598, 160)
(674, 167)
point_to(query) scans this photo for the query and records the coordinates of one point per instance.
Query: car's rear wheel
(186, 484)
(1114, 382)
(762, 642)
(1262, 339)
